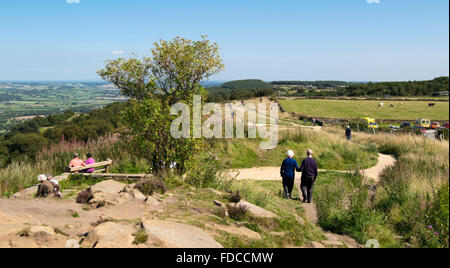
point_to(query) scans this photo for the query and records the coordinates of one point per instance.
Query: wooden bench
(105, 167)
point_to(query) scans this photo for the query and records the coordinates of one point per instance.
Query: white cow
(381, 105)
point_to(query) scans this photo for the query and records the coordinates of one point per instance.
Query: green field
(27, 99)
(354, 109)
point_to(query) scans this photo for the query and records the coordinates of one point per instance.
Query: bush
(444, 132)
(149, 187)
(238, 212)
(202, 172)
(85, 196)
(234, 197)
(220, 212)
(434, 229)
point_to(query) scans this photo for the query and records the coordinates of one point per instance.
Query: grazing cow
(392, 105)
(381, 105)
(431, 104)
(401, 103)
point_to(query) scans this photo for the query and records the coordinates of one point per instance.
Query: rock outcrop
(256, 211)
(177, 235)
(110, 235)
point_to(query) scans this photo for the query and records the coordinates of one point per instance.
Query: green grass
(356, 109)
(410, 201)
(332, 152)
(341, 204)
(266, 194)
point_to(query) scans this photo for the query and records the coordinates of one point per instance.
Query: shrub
(220, 212)
(202, 172)
(140, 237)
(235, 197)
(237, 212)
(148, 187)
(85, 196)
(444, 132)
(433, 230)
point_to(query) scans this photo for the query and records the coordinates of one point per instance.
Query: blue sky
(351, 40)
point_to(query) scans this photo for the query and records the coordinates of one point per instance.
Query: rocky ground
(120, 216)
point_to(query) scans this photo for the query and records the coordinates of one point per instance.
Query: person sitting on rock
(48, 186)
(76, 162)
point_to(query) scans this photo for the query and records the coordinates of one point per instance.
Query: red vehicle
(435, 125)
(445, 125)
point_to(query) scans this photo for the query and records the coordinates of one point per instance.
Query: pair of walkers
(309, 175)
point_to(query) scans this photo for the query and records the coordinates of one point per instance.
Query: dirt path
(273, 174)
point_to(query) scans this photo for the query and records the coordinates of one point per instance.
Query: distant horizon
(217, 81)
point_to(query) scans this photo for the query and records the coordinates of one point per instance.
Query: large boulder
(177, 235)
(256, 211)
(110, 235)
(239, 231)
(109, 187)
(41, 231)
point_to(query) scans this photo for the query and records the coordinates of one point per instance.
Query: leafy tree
(172, 74)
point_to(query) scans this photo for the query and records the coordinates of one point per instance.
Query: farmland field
(20, 101)
(409, 110)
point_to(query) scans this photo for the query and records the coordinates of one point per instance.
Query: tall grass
(411, 199)
(55, 159)
(332, 151)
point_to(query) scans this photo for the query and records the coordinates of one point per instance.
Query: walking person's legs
(285, 188)
(291, 187)
(310, 191)
(304, 188)
(307, 189)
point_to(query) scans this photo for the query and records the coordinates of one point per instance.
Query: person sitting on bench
(89, 161)
(76, 161)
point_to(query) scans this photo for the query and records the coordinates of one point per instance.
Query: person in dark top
(348, 133)
(309, 176)
(288, 169)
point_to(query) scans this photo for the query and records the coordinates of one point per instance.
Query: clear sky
(353, 40)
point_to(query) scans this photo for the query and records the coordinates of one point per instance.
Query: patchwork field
(20, 101)
(409, 110)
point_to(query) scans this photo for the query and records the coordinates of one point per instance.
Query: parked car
(435, 125)
(445, 125)
(424, 123)
(423, 129)
(394, 127)
(405, 125)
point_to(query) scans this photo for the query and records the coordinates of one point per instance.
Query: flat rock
(153, 202)
(331, 237)
(72, 243)
(41, 231)
(23, 242)
(177, 235)
(258, 211)
(239, 231)
(315, 245)
(138, 195)
(109, 187)
(334, 244)
(110, 235)
(215, 192)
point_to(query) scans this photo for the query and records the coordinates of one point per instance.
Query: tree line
(239, 90)
(411, 88)
(26, 139)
